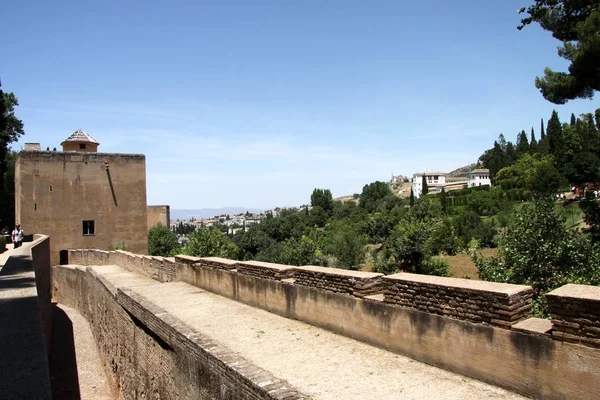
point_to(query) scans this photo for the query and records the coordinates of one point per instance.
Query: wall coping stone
(220, 260)
(279, 267)
(535, 326)
(187, 259)
(578, 292)
(339, 272)
(468, 284)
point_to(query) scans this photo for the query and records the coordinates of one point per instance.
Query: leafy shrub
(435, 266)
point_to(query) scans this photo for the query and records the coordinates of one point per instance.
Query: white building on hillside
(435, 182)
(480, 177)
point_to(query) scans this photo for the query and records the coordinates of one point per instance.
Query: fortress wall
(55, 192)
(159, 215)
(148, 353)
(460, 325)
(527, 363)
(160, 268)
(575, 313)
(497, 304)
(26, 322)
(337, 280)
(263, 269)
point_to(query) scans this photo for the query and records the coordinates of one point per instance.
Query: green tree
(406, 245)
(522, 144)
(412, 198)
(533, 145)
(573, 120)
(543, 147)
(535, 174)
(162, 241)
(373, 195)
(11, 128)
(318, 216)
(583, 168)
(322, 198)
(536, 249)
(555, 137)
(575, 23)
(252, 242)
(348, 247)
(444, 200)
(210, 242)
(425, 188)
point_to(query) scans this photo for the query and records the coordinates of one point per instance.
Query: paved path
(75, 367)
(317, 362)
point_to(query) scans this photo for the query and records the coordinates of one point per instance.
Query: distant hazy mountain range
(209, 212)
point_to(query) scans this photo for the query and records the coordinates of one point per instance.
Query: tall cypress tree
(533, 143)
(444, 200)
(425, 188)
(511, 153)
(555, 137)
(522, 144)
(543, 147)
(573, 120)
(542, 134)
(412, 198)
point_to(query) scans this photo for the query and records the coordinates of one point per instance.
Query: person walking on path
(17, 236)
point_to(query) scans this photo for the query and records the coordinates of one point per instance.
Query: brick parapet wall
(162, 269)
(264, 270)
(217, 263)
(493, 303)
(355, 283)
(575, 311)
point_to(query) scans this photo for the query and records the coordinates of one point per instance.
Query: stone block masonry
(496, 304)
(355, 283)
(575, 311)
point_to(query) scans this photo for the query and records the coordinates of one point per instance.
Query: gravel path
(319, 363)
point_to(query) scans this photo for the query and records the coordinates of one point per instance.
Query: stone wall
(462, 325)
(264, 270)
(337, 280)
(25, 322)
(159, 215)
(575, 313)
(56, 191)
(160, 268)
(497, 304)
(148, 353)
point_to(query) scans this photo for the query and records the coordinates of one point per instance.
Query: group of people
(16, 237)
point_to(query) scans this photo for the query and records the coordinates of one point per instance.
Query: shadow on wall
(62, 359)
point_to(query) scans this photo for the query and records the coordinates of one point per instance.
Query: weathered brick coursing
(575, 311)
(217, 263)
(264, 270)
(336, 280)
(497, 304)
(162, 269)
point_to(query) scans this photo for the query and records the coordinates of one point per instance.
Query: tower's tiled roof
(80, 136)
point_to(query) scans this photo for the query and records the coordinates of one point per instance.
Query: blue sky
(255, 103)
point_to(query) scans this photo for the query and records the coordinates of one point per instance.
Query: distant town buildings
(436, 181)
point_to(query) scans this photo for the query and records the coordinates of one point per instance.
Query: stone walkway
(317, 362)
(75, 368)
